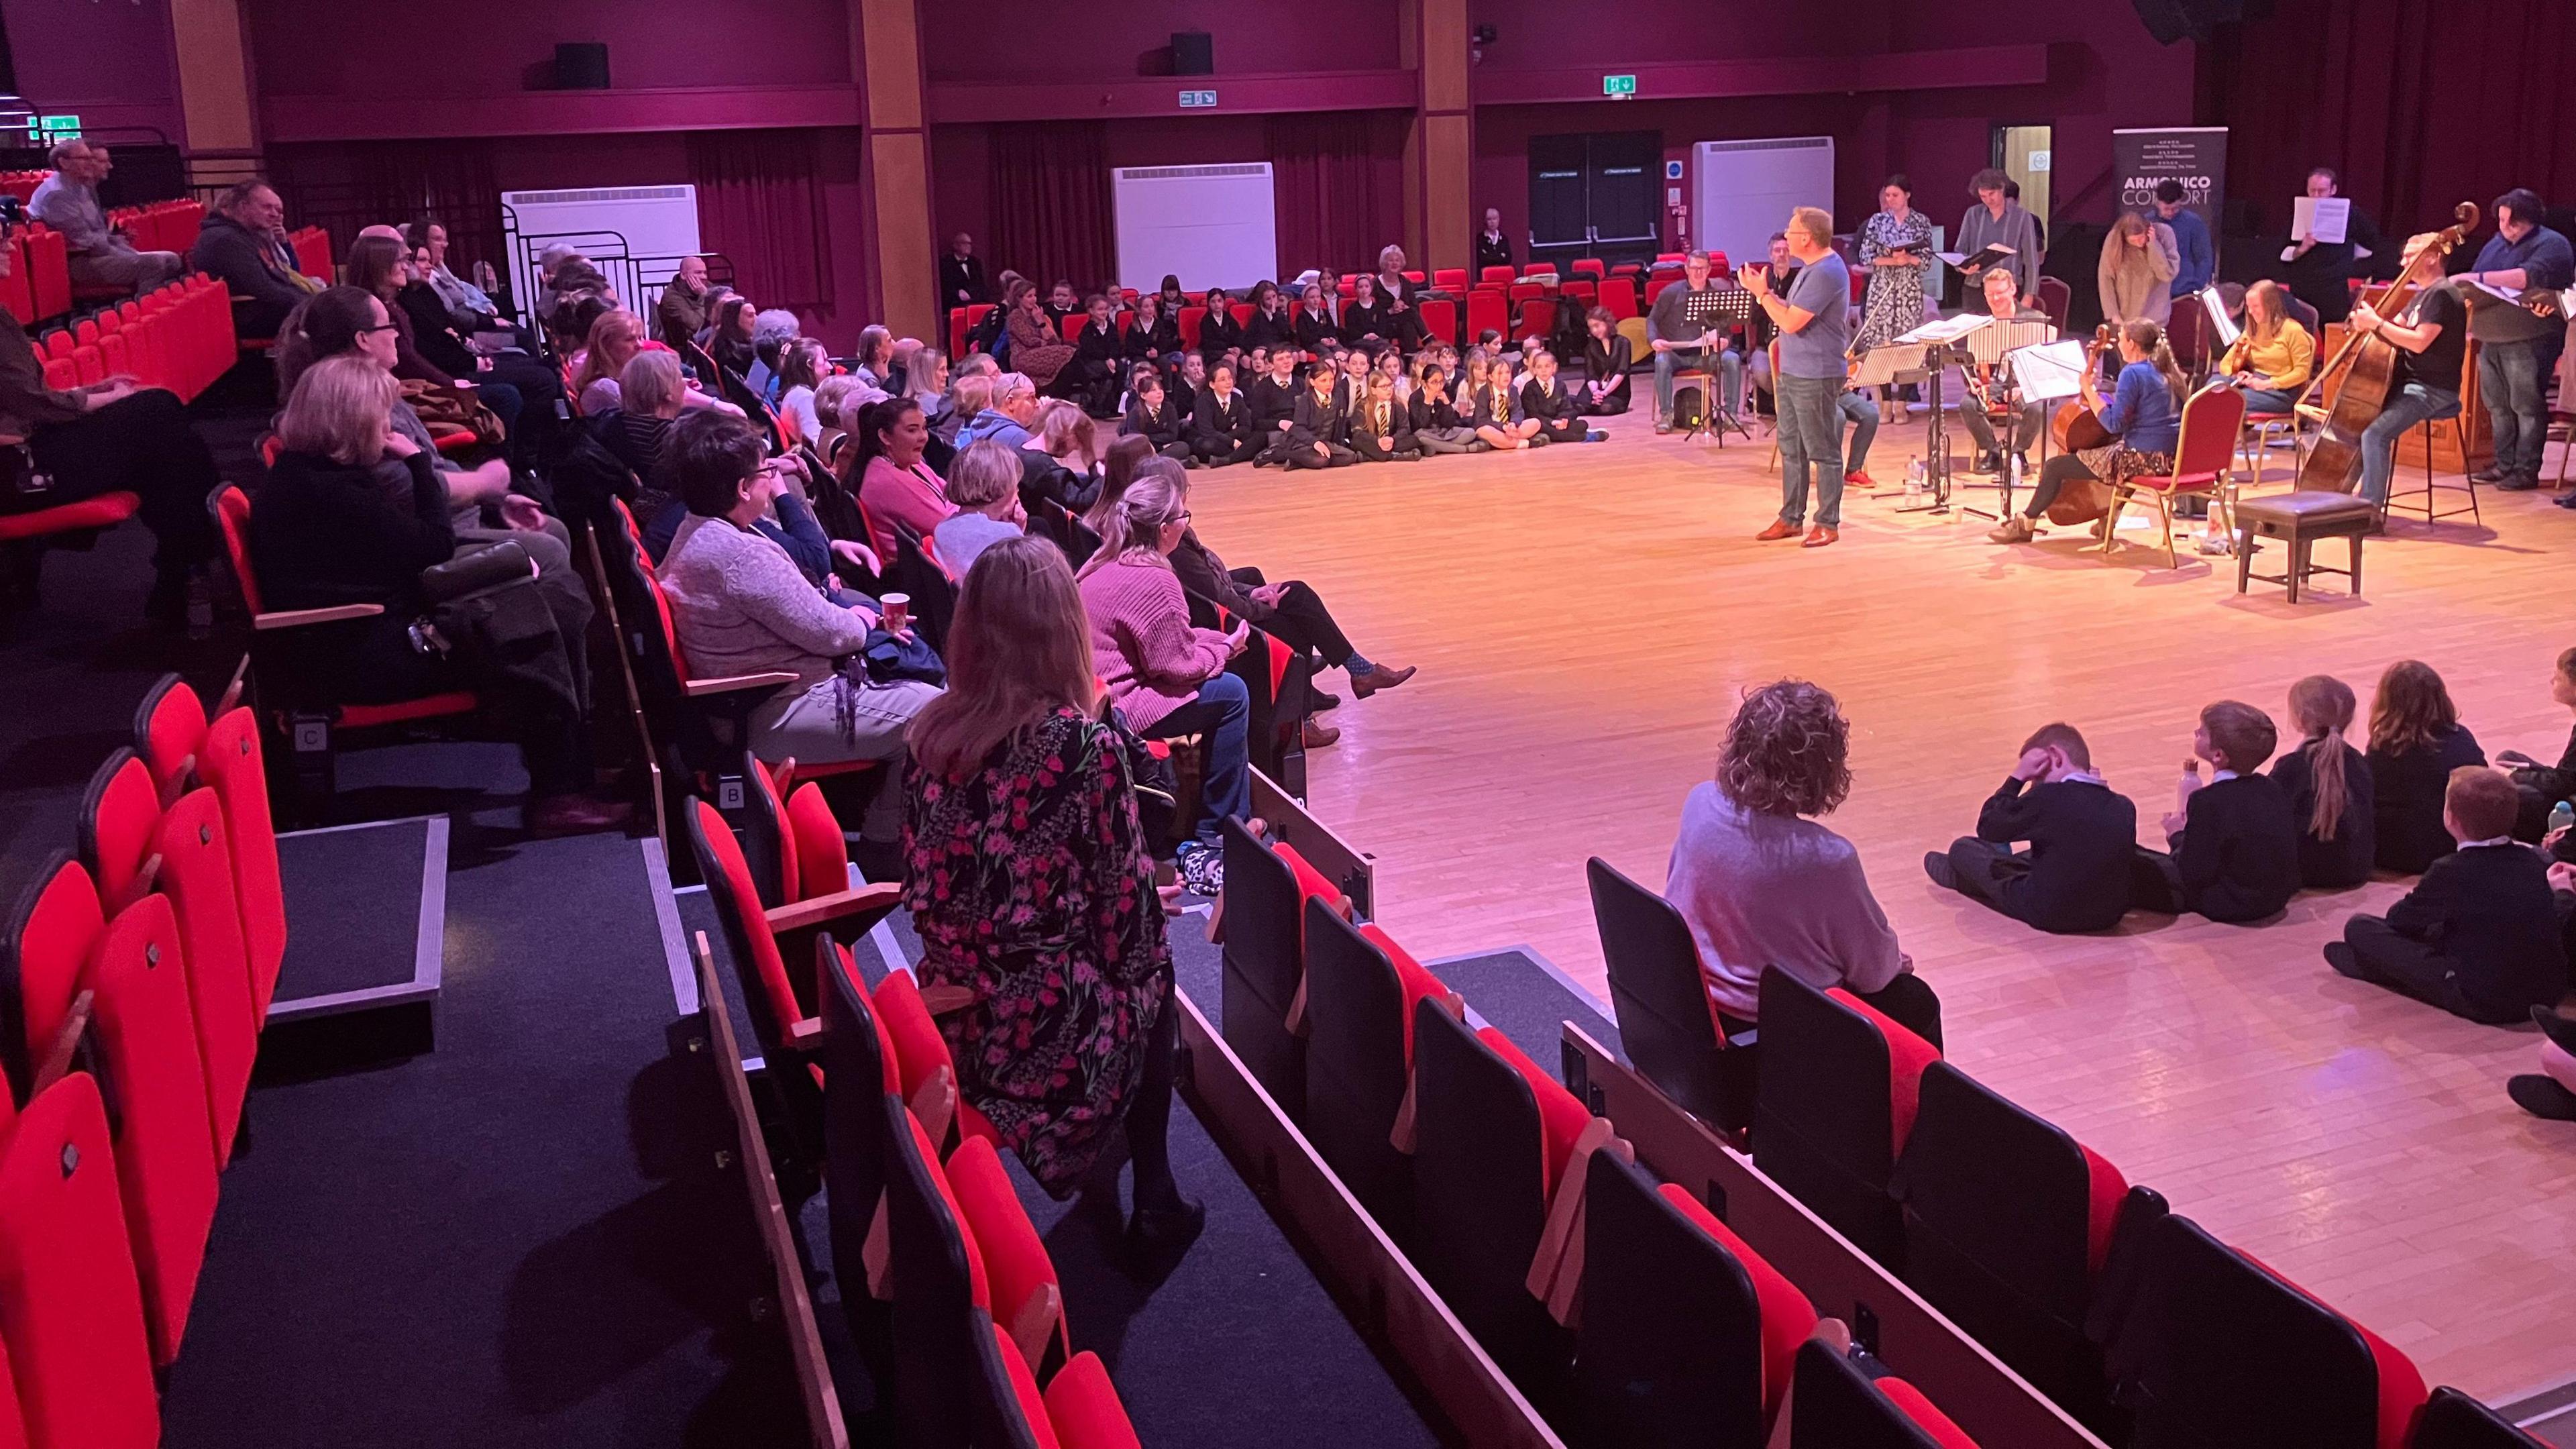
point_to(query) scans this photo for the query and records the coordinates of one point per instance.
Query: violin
(2369, 362)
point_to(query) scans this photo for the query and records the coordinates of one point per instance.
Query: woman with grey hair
(770, 331)
(984, 483)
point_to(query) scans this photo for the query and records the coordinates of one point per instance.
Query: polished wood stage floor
(1584, 618)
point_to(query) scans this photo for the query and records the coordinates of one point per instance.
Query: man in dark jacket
(242, 243)
(2083, 841)
(961, 275)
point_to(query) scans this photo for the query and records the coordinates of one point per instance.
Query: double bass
(2075, 427)
(2369, 364)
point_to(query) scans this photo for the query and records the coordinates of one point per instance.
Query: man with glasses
(107, 437)
(101, 256)
(1681, 345)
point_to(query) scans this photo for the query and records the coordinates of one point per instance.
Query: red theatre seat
(71, 1308)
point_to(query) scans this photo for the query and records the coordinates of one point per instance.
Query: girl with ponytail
(2144, 412)
(2328, 782)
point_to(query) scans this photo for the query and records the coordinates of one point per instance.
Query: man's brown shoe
(1819, 536)
(1319, 734)
(1779, 529)
(1379, 677)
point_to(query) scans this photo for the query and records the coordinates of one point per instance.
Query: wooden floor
(1584, 618)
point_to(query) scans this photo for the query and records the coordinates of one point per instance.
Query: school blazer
(1219, 424)
(1319, 422)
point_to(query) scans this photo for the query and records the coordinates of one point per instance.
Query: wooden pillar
(888, 36)
(1439, 151)
(218, 116)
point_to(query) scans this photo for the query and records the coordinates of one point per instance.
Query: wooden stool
(2299, 520)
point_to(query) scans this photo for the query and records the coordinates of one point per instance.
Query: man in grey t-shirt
(99, 254)
(1815, 335)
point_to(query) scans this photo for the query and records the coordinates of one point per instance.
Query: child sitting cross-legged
(2479, 936)
(2235, 843)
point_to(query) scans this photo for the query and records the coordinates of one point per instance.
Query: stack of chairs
(2130, 1318)
(133, 984)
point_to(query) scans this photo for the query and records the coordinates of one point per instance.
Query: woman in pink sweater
(1166, 676)
(895, 486)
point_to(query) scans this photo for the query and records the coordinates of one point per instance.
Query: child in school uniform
(2083, 841)
(1273, 400)
(2480, 935)
(1320, 437)
(1152, 417)
(1221, 425)
(2329, 786)
(1498, 420)
(1381, 430)
(2235, 847)
(1436, 428)
(1545, 402)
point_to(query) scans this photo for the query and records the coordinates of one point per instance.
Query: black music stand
(1721, 310)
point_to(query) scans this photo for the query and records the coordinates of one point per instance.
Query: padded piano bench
(2299, 520)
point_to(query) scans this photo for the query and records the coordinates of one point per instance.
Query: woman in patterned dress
(1896, 246)
(1030, 881)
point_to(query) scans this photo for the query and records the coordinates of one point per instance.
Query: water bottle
(2562, 815)
(1914, 478)
(2016, 472)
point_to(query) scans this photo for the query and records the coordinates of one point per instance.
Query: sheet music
(2327, 218)
(1990, 344)
(1948, 329)
(2221, 326)
(2050, 371)
(1885, 364)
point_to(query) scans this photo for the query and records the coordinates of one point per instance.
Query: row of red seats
(312, 251)
(1625, 1311)
(138, 974)
(2130, 1317)
(949, 1290)
(39, 283)
(23, 184)
(161, 226)
(178, 337)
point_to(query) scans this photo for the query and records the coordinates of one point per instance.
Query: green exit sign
(1618, 85)
(60, 128)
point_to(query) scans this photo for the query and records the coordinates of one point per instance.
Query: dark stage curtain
(2419, 104)
(1052, 215)
(1338, 178)
(343, 187)
(760, 203)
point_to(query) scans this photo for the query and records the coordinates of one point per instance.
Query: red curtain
(1338, 180)
(1052, 216)
(2419, 104)
(760, 203)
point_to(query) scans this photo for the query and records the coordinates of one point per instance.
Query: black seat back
(1823, 1126)
(999, 1420)
(1263, 965)
(1998, 1207)
(854, 1145)
(1666, 1021)
(2453, 1420)
(764, 834)
(1836, 1407)
(1668, 1353)
(933, 592)
(938, 1365)
(2216, 1353)
(1355, 1072)
(1479, 1178)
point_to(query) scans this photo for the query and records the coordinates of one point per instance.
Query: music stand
(1931, 347)
(1719, 310)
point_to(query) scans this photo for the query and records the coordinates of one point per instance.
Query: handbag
(447, 407)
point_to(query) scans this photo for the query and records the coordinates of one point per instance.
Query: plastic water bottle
(1913, 477)
(2016, 472)
(2562, 815)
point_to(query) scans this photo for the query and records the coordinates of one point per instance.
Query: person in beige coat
(2139, 259)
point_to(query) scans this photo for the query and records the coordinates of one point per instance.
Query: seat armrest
(58, 1059)
(731, 683)
(867, 904)
(297, 618)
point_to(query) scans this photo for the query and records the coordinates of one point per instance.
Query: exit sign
(60, 128)
(1194, 100)
(1622, 86)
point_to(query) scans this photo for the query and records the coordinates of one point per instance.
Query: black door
(1595, 196)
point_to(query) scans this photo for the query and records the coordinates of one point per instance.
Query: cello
(2369, 362)
(2075, 427)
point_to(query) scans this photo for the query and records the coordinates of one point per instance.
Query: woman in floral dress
(1030, 881)
(1896, 246)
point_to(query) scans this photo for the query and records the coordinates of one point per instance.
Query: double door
(1595, 196)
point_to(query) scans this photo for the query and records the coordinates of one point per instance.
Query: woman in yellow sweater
(2274, 357)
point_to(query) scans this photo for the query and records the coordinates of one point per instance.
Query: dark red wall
(486, 47)
(1050, 40)
(109, 64)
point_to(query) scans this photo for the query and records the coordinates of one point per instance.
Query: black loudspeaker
(1193, 53)
(581, 65)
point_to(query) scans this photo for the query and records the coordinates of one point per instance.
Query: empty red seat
(1084, 1407)
(1027, 1297)
(101, 510)
(1362, 992)
(2009, 1223)
(1261, 998)
(231, 765)
(71, 1308)
(1668, 1023)
(44, 960)
(1192, 317)
(1440, 319)
(165, 1161)
(169, 730)
(1537, 319)
(1487, 311)
(1497, 274)
(1523, 292)
(1656, 285)
(1839, 1406)
(1837, 1101)
(197, 875)
(1587, 267)
(1449, 279)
